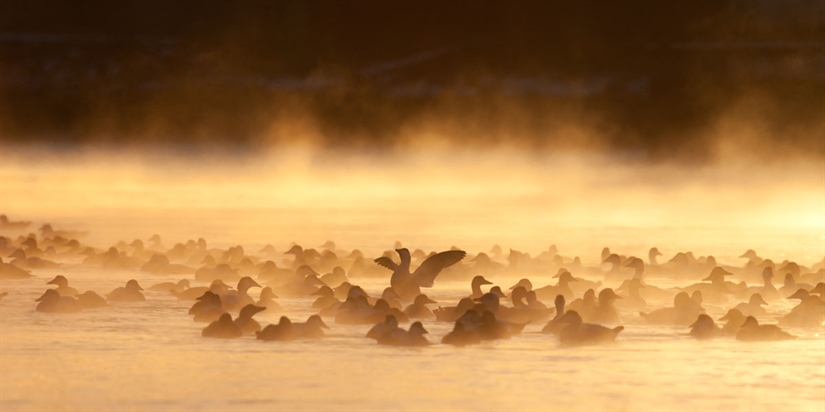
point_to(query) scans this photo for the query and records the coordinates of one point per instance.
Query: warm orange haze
(523, 221)
(372, 205)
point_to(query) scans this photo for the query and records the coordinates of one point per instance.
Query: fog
(440, 194)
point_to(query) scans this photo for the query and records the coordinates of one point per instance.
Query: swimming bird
(683, 312)
(280, 332)
(734, 319)
(460, 336)
(605, 310)
(809, 313)
(223, 328)
(244, 320)
(475, 286)
(63, 287)
(578, 333)
(159, 264)
(418, 309)
(313, 328)
(705, 328)
(267, 300)
(400, 337)
(408, 284)
(452, 313)
(555, 325)
(383, 327)
(129, 293)
(207, 308)
(236, 299)
(53, 302)
(754, 306)
(752, 331)
(10, 271)
(178, 286)
(90, 300)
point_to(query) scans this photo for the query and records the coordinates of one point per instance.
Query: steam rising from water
(439, 195)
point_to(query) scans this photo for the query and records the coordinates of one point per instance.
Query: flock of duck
(574, 307)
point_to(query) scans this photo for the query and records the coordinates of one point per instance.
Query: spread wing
(386, 262)
(431, 267)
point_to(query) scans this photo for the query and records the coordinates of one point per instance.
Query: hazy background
(695, 124)
(673, 79)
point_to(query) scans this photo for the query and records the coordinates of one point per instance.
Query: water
(150, 355)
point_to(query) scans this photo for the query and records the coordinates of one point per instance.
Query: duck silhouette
(129, 293)
(400, 337)
(280, 332)
(313, 328)
(63, 287)
(705, 328)
(244, 320)
(578, 333)
(53, 302)
(223, 328)
(460, 336)
(408, 284)
(752, 331)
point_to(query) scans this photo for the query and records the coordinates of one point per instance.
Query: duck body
(752, 331)
(578, 333)
(223, 328)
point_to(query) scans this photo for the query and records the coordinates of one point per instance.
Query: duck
(217, 287)
(585, 304)
(10, 271)
(129, 293)
(452, 313)
(555, 325)
(562, 287)
(408, 284)
(718, 290)
(208, 307)
(705, 328)
(400, 337)
(234, 300)
(734, 319)
(326, 298)
(178, 286)
(90, 300)
(221, 271)
(752, 331)
(159, 264)
(790, 285)
(313, 328)
(605, 311)
(53, 302)
(267, 300)
(768, 291)
(578, 333)
(383, 327)
(392, 298)
(7, 224)
(683, 312)
(244, 320)
(280, 332)
(460, 336)
(418, 309)
(809, 313)
(475, 286)
(223, 328)
(754, 306)
(633, 298)
(63, 287)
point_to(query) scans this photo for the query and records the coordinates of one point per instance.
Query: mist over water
(556, 129)
(442, 197)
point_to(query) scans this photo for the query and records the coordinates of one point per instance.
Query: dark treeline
(646, 75)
